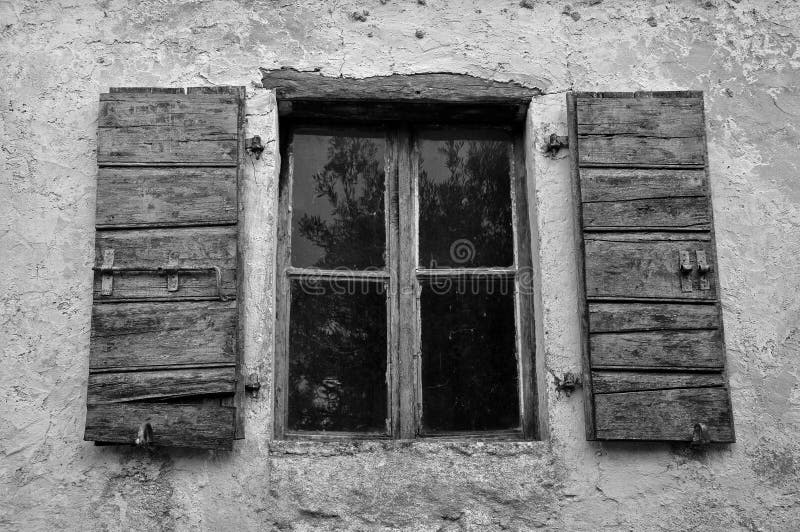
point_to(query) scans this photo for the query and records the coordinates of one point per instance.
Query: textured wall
(55, 57)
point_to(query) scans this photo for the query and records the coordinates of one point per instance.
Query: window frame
(400, 122)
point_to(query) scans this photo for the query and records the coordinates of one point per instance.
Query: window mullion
(407, 287)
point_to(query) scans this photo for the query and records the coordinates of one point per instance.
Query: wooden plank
(632, 266)
(148, 334)
(701, 348)
(159, 384)
(319, 111)
(392, 203)
(153, 145)
(205, 426)
(618, 184)
(624, 150)
(207, 114)
(620, 317)
(656, 213)
(580, 276)
(283, 298)
(165, 196)
(646, 117)
(186, 248)
(635, 381)
(526, 341)
(666, 415)
(291, 84)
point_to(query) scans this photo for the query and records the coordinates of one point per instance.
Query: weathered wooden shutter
(164, 320)
(654, 359)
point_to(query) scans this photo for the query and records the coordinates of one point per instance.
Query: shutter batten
(654, 362)
(164, 320)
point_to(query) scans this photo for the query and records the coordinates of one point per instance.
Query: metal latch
(686, 271)
(700, 436)
(703, 267)
(556, 142)
(106, 269)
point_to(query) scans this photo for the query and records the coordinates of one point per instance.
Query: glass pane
(337, 200)
(469, 366)
(464, 199)
(337, 356)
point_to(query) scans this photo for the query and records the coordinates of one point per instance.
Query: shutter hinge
(554, 143)
(144, 437)
(254, 146)
(703, 267)
(686, 271)
(567, 382)
(253, 383)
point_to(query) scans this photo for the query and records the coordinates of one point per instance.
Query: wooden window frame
(400, 120)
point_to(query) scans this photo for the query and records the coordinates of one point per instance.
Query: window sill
(465, 444)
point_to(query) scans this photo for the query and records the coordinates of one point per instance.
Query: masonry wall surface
(56, 57)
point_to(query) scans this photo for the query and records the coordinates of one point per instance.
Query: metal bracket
(253, 383)
(172, 275)
(107, 278)
(703, 267)
(555, 143)
(254, 146)
(686, 271)
(567, 383)
(700, 435)
(144, 437)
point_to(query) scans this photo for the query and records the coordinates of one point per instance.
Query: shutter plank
(624, 150)
(146, 334)
(687, 349)
(620, 317)
(663, 414)
(646, 117)
(618, 184)
(195, 249)
(165, 196)
(204, 426)
(652, 213)
(159, 384)
(157, 128)
(634, 381)
(632, 266)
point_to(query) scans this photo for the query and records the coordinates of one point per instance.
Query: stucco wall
(55, 57)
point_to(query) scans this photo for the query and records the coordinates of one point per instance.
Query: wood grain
(149, 334)
(688, 349)
(651, 117)
(618, 184)
(635, 381)
(668, 415)
(656, 213)
(625, 267)
(624, 150)
(205, 426)
(159, 384)
(291, 84)
(620, 317)
(186, 247)
(140, 197)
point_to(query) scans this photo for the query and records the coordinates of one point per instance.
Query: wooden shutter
(164, 320)
(654, 358)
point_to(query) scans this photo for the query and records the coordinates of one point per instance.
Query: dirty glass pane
(464, 199)
(337, 199)
(469, 367)
(337, 356)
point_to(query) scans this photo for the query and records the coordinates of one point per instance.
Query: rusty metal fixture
(145, 435)
(556, 142)
(700, 437)
(255, 146)
(567, 382)
(253, 383)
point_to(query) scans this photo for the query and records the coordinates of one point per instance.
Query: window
(404, 305)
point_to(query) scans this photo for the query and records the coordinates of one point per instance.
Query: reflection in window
(464, 199)
(337, 356)
(337, 200)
